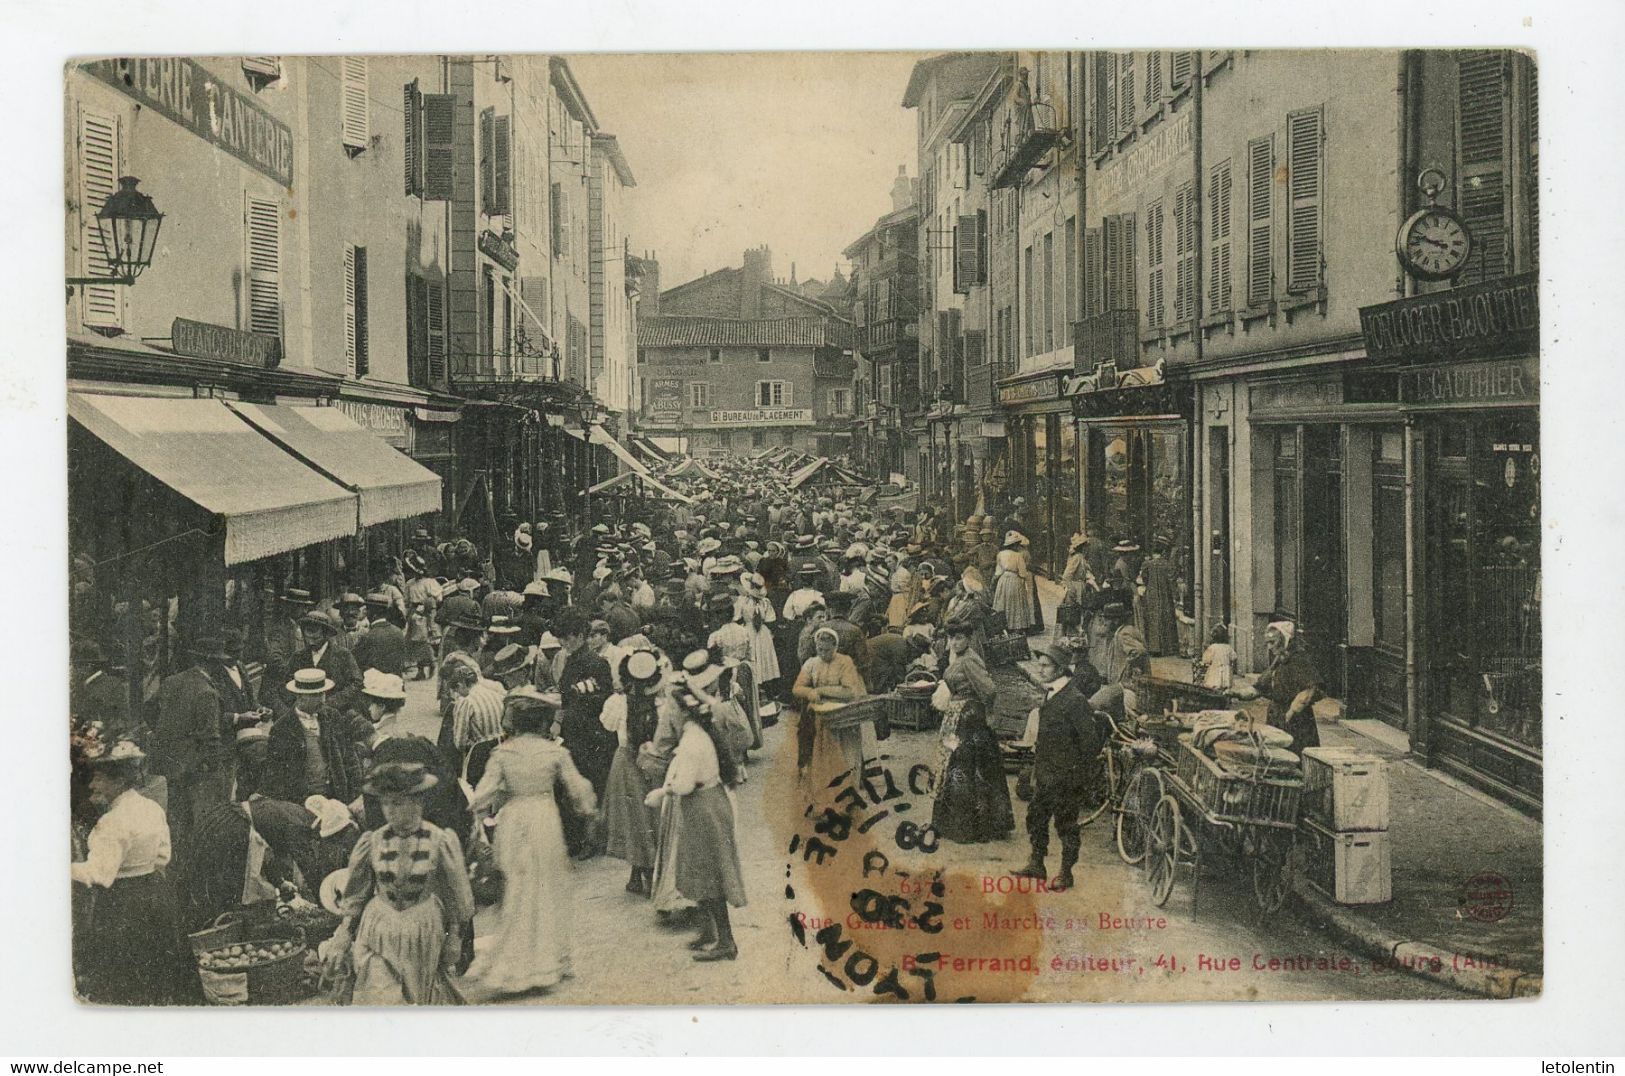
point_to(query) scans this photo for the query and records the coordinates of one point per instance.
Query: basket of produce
(227, 929)
(266, 967)
(317, 923)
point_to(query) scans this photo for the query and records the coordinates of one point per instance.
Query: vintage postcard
(1051, 526)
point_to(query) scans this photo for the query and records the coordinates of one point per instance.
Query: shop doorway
(1324, 590)
(1218, 609)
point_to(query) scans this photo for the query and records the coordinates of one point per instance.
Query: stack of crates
(1343, 826)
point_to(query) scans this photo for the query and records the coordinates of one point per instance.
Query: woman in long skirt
(406, 900)
(522, 784)
(829, 677)
(972, 795)
(1013, 584)
(705, 865)
(131, 953)
(633, 714)
(755, 612)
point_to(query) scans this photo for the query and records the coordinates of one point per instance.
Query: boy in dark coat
(1066, 759)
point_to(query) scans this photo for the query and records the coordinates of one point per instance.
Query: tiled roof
(730, 332)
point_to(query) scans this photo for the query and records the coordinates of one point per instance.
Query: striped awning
(600, 436)
(390, 483)
(270, 501)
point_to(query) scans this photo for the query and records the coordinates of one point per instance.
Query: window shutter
(967, 254)
(787, 399)
(1125, 94)
(434, 321)
(361, 362)
(1179, 70)
(1112, 64)
(1481, 141)
(488, 192)
(1069, 281)
(1218, 206)
(533, 293)
(1184, 254)
(1100, 121)
(264, 257)
(99, 163)
(1153, 79)
(1153, 258)
(1304, 188)
(1124, 286)
(1260, 184)
(438, 134)
(353, 109)
(416, 359)
(1094, 271)
(1531, 185)
(412, 139)
(502, 169)
(349, 310)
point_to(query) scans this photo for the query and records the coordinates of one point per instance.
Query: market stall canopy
(825, 471)
(654, 485)
(271, 502)
(650, 449)
(601, 436)
(390, 483)
(693, 467)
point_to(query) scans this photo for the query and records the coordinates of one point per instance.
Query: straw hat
(382, 685)
(1015, 538)
(309, 682)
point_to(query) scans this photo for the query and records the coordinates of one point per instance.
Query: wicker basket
(227, 929)
(1156, 695)
(279, 981)
(1235, 797)
(1007, 649)
(912, 712)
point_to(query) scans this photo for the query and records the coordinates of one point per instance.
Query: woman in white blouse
(132, 954)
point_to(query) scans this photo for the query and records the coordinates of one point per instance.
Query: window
(1125, 95)
(263, 257)
(725, 440)
(968, 242)
(1069, 281)
(774, 393)
(1185, 225)
(1105, 117)
(1305, 183)
(412, 137)
(99, 167)
(1179, 70)
(764, 354)
(496, 163)
(1260, 184)
(354, 108)
(561, 221)
(840, 401)
(1153, 80)
(355, 311)
(1027, 279)
(1482, 96)
(1218, 207)
(1388, 540)
(715, 355)
(1049, 291)
(439, 133)
(1108, 265)
(1153, 258)
(758, 438)
(699, 394)
(434, 295)
(787, 437)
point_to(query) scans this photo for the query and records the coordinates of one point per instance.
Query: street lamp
(127, 225)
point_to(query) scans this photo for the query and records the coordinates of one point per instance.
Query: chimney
(649, 291)
(902, 189)
(756, 272)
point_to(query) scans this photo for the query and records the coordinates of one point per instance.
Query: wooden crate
(1238, 797)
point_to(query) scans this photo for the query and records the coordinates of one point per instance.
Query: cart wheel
(1145, 788)
(1165, 839)
(1272, 870)
(1097, 788)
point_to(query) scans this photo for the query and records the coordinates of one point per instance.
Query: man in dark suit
(237, 693)
(189, 750)
(314, 748)
(96, 694)
(383, 646)
(322, 651)
(1066, 759)
(585, 685)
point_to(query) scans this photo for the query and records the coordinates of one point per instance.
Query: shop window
(1388, 558)
(1288, 522)
(758, 438)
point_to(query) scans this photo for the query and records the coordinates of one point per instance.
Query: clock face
(1434, 244)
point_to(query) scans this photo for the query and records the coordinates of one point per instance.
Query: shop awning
(600, 436)
(390, 483)
(653, 485)
(271, 502)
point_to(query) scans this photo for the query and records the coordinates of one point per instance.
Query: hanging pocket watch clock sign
(1433, 243)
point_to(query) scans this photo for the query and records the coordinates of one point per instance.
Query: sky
(797, 151)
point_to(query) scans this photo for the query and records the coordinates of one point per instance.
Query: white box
(1345, 790)
(1351, 868)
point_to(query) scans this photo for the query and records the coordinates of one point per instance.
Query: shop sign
(189, 94)
(1146, 159)
(1042, 388)
(200, 340)
(1480, 321)
(1297, 395)
(775, 416)
(1512, 381)
(664, 397)
(385, 420)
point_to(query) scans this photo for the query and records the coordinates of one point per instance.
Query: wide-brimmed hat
(332, 816)
(309, 682)
(377, 599)
(318, 619)
(809, 569)
(502, 625)
(331, 891)
(1126, 545)
(212, 647)
(466, 621)
(727, 565)
(805, 541)
(399, 779)
(549, 641)
(600, 528)
(1061, 655)
(699, 671)
(558, 575)
(350, 597)
(1015, 538)
(707, 545)
(468, 584)
(535, 589)
(297, 596)
(382, 685)
(122, 753)
(641, 666)
(510, 658)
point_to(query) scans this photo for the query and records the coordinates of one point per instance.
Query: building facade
(885, 274)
